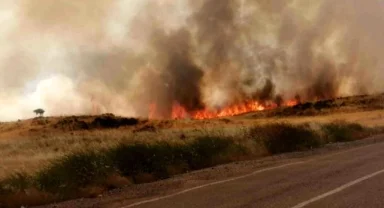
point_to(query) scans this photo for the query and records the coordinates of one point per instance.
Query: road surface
(347, 178)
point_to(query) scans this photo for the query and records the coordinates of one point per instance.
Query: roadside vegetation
(88, 173)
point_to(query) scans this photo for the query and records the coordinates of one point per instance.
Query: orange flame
(291, 103)
(153, 111)
(179, 112)
(232, 110)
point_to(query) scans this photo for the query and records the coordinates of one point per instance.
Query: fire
(232, 110)
(152, 111)
(179, 112)
(291, 103)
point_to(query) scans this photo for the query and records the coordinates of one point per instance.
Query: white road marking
(211, 184)
(241, 177)
(339, 189)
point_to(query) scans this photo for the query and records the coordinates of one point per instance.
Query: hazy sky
(119, 56)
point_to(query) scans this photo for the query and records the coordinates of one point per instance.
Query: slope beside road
(351, 177)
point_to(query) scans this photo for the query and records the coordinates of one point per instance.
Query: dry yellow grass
(367, 118)
(29, 145)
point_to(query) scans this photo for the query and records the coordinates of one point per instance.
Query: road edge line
(244, 176)
(212, 184)
(339, 189)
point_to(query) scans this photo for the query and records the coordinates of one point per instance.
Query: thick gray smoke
(122, 56)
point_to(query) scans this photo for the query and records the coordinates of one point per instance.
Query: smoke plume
(123, 56)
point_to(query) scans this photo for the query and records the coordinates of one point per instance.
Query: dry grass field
(30, 146)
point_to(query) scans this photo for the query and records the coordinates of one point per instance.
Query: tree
(39, 112)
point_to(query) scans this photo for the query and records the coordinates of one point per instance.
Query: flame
(291, 103)
(232, 110)
(179, 112)
(153, 111)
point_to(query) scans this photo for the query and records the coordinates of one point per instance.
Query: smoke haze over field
(121, 56)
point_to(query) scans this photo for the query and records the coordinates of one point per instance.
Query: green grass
(70, 175)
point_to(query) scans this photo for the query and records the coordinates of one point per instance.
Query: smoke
(121, 56)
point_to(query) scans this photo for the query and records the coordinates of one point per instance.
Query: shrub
(133, 159)
(342, 132)
(137, 159)
(207, 151)
(73, 171)
(15, 183)
(281, 138)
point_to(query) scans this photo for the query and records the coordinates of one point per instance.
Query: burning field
(180, 112)
(204, 82)
(50, 159)
(184, 59)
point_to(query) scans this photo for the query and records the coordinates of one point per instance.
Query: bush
(207, 151)
(15, 183)
(73, 171)
(281, 138)
(67, 176)
(342, 131)
(133, 159)
(136, 159)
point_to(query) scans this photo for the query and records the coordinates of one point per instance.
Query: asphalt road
(350, 178)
